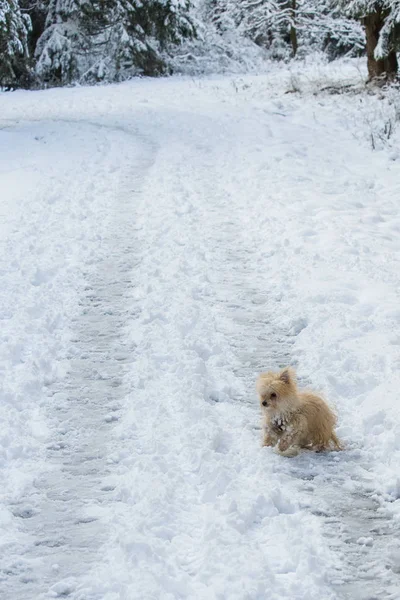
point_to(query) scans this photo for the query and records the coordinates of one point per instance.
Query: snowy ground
(162, 242)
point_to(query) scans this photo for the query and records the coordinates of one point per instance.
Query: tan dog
(294, 419)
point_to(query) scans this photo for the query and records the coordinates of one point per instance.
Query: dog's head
(277, 391)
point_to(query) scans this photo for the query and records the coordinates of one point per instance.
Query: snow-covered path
(214, 234)
(60, 513)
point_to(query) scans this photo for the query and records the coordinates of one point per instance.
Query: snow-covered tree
(270, 23)
(381, 20)
(109, 39)
(58, 46)
(14, 28)
(37, 11)
(284, 26)
(321, 25)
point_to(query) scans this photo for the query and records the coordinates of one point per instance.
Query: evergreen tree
(14, 28)
(37, 11)
(267, 22)
(381, 20)
(323, 26)
(285, 26)
(109, 39)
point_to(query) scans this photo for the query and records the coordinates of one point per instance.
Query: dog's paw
(319, 448)
(289, 452)
(268, 441)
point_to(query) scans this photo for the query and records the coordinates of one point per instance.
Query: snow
(163, 241)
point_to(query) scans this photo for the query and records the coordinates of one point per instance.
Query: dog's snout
(265, 403)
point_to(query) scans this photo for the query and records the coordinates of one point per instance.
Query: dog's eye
(273, 395)
(265, 403)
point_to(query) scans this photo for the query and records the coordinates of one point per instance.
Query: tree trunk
(293, 30)
(387, 66)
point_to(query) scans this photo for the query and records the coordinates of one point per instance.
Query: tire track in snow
(336, 488)
(64, 516)
(358, 528)
(194, 505)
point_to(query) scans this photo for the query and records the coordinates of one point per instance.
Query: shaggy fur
(294, 419)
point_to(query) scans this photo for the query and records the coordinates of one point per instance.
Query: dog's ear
(286, 375)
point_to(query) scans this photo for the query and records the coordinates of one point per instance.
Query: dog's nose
(265, 403)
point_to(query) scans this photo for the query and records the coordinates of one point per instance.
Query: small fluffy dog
(294, 419)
